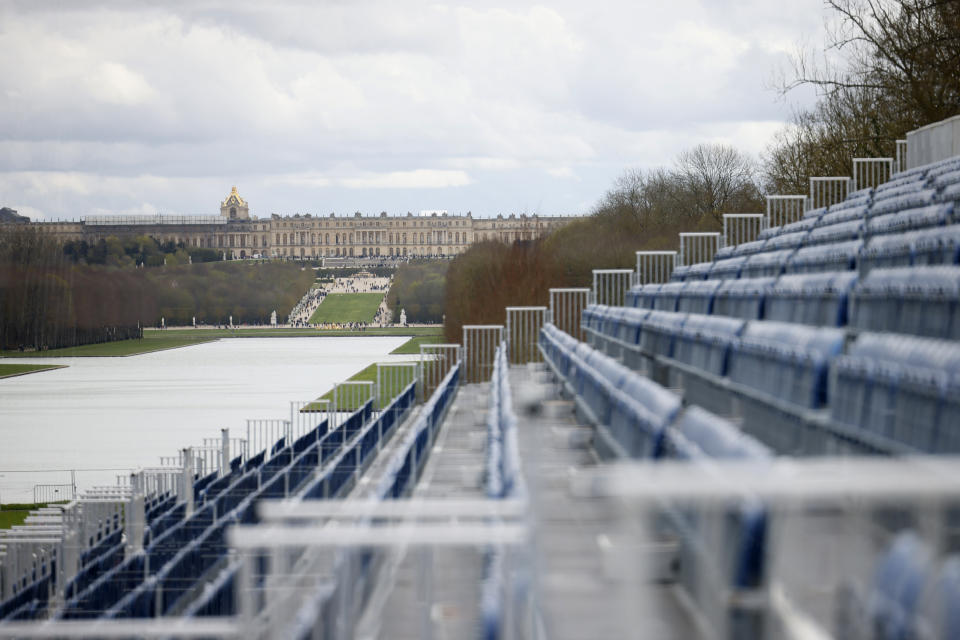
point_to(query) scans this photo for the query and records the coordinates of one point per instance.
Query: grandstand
(736, 440)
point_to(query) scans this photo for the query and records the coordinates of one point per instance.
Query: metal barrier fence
(826, 191)
(523, 329)
(52, 492)
(900, 164)
(392, 379)
(566, 308)
(698, 247)
(610, 286)
(263, 434)
(479, 348)
(653, 267)
(347, 397)
(306, 415)
(742, 227)
(871, 172)
(783, 210)
(435, 361)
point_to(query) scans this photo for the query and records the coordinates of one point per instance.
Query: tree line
(894, 67)
(418, 287)
(48, 300)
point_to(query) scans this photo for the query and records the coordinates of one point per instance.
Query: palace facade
(238, 235)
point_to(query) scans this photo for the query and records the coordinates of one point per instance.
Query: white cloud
(370, 104)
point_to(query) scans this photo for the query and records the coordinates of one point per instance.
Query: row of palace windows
(372, 236)
(303, 252)
(240, 240)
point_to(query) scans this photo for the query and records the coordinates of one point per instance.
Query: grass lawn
(347, 307)
(10, 370)
(367, 374)
(413, 344)
(13, 514)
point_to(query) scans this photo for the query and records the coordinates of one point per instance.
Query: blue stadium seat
(786, 241)
(704, 342)
(742, 298)
(659, 332)
(697, 296)
(766, 264)
(814, 214)
(840, 256)
(697, 433)
(749, 248)
(818, 299)
(936, 215)
(920, 301)
(937, 246)
(644, 296)
(898, 201)
(698, 271)
(727, 269)
(834, 233)
(640, 411)
(769, 232)
(843, 215)
(666, 297)
(900, 578)
(679, 273)
(786, 361)
(804, 224)
(898, 387)
(724, 252)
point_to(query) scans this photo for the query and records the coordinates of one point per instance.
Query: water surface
(104, 416)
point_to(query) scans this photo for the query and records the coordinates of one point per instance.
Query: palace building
(239, 235)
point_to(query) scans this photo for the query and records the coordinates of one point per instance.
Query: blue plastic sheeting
(742, 298)
(728, 268)
(700, 434)
(705, 341)
(749, 248)
(659, 332)
(834, 233)
(843, 215)
(819, 299)
(697, 296)
(901, 576)
(766, 264)
(786, 241)
(898, 387)
(679, 273)
(839, 256)
(902, 202)
(786, 361)
(921, 301)
(936, 215)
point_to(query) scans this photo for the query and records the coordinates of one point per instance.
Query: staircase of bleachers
(731, 441)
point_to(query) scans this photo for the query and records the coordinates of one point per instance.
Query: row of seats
(636, 417)
(922, 301)
(890, 392)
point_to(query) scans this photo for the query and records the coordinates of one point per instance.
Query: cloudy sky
(339, 106)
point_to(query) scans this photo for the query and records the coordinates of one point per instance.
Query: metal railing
(698, 247)
(654, 267)
(566, 307)
(871, 172)
(742, 227)
(783, 210)
(610, 286)
(826, 191)
(436, 360)
(392, 379)
(479, 348)
(900, 164)
(523, 328)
